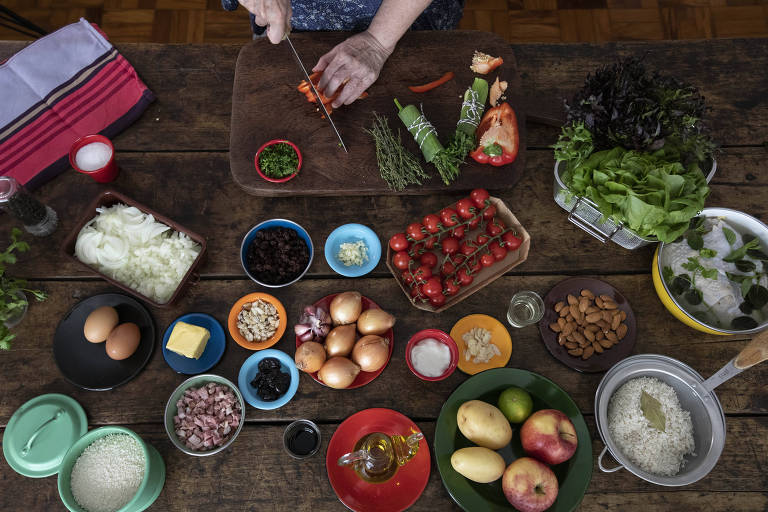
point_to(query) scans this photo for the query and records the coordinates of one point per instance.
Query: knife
(317, 95)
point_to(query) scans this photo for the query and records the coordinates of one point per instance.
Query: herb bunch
(11, 304)
(397, 166)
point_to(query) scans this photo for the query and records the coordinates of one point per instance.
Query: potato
(478, 464)
(484, 424)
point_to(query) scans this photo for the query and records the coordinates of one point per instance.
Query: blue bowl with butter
(343, 246)
(188, 339)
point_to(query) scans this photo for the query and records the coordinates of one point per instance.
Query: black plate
(598, 362)
(87, 364)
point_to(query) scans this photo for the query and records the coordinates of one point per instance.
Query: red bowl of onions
(431, 355)
(303, 335)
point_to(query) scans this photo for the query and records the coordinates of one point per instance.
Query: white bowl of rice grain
(658, 422)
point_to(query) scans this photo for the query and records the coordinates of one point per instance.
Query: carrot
(431, 85)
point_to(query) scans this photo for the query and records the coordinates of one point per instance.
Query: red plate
(396, 494)
(363, 378)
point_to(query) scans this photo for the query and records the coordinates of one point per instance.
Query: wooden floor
(196, 21)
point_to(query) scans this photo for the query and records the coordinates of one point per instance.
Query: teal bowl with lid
(151, 485)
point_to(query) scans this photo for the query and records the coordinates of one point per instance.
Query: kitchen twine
(421, 123)
(473, 109)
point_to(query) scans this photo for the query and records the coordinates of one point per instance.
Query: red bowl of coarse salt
(271, 143)
(444, 339)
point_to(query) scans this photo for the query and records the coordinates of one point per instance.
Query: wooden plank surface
(174, 160)
(194, 85)
(30, 370)
(267, 106)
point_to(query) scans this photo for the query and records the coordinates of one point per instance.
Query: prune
(270, 382)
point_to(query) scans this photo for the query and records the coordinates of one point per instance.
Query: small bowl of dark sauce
(301, 439)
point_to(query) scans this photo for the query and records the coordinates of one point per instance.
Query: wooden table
(175, 160)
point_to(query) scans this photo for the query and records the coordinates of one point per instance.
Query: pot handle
(603, 468)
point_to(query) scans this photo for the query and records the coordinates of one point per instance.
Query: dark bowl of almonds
(276, 253)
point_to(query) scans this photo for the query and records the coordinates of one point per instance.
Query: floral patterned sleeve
(356, 15)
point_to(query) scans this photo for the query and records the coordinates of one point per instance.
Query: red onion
(314, 324)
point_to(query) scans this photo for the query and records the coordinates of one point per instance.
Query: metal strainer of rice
(696, 395)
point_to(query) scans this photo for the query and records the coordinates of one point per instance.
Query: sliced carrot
(431, 85)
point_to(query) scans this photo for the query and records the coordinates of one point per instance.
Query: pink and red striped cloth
(63, 86)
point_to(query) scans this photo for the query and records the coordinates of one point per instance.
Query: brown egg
(123, 341)
(100, 323)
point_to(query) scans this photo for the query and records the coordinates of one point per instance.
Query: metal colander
(584, 213)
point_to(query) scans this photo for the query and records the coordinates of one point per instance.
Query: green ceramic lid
(53, 422)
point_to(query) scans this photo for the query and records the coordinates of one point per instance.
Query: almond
(576, 351)
(599, 302)
(570, 345)
(561, 338)
(592, 309)
(615, 322)
(579, 337)
(592, 328)
(607, 316)
(599, 335)
(559, 306)
(594, 317)
(623, 315)
(583, 304)
(564, 311)
(611, 336)
(597, 347)
(621, 331)
(568, 329)
(555, 327)
(561, 322)
(605, 326)
(609, 304)
(589, 335)
(572, 300)
(587, 293)
(605, 297)
(574, 310)
(587, 353)
(606, 343)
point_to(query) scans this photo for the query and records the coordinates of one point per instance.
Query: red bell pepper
(499, 139)
(305, 89)
(431, 85)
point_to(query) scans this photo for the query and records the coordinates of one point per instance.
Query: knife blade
(314, 91)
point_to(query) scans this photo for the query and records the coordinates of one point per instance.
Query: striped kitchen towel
(63, 86)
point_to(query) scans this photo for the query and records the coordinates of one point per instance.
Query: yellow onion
(346, 307)
(374, 321)
(371, 352)
(338, 372)
(310, 356)
(340, 340)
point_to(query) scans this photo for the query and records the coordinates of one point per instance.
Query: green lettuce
(652, 193)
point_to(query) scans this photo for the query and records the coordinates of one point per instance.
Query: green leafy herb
(694, 296)
(730, 236)
(692, 264)
(707, 253)
(624, 105)
(757, 296)
(745, 265)
(278, 160)
(397, 166)
(653, 412)
(668, 274)
(11, 303)
(651, 193)
(493, 150)
(681, 284)
(743, 323)
(709, 273)
(739, 253)
(695, 240)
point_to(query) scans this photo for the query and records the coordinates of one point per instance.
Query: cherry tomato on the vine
(431, 222)
(499, 253)
(464, 278)
(414, 231)
(429, 259)
(450, 287)
(479, 196)
(401, 260)
(448, 217)
(487, 260)
(422, 273)
(458, 232)
(437, 300)
(464, 208)
(459, 259)
(495, 228)
(511, 242)
(489, 213)
(481, 239)
(433, 287)
(474, 222)
(447, 268)
(416, 292)
(430, 242)
(450, 245)
(467, 248)
(398, 242)
(475, 265)
(407, 277)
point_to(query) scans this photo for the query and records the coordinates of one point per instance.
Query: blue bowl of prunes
(268, 379)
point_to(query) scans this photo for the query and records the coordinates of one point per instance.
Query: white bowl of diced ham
(204, 415)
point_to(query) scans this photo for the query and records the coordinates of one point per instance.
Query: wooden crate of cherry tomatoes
(453, 253)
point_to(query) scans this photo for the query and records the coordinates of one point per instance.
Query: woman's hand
(356, 62)
(273, 14)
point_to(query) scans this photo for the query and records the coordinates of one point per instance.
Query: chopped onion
(131, 247)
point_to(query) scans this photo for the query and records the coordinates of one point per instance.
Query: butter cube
(188, 340)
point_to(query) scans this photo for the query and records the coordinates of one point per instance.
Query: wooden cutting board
(266, 105)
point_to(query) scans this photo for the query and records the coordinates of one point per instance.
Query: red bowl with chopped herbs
(273, 161)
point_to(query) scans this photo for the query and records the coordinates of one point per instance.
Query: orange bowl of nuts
(587, 325)
(257, 321)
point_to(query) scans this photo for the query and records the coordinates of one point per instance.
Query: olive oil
(377, 456)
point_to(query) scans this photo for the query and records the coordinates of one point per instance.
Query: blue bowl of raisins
(276, 253)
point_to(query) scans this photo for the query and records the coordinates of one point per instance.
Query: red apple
(529, 485)
(549, 436)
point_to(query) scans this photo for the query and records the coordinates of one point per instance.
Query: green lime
(516, 404)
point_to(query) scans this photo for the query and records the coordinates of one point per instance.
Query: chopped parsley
(278, 160)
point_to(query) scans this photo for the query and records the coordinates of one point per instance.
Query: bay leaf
(652, 411)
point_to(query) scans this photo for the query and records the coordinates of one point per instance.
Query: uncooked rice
(108, 473)
(654, 451)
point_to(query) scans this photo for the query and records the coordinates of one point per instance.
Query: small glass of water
(525, 308)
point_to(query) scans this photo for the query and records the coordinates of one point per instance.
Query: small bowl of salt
(431, 355)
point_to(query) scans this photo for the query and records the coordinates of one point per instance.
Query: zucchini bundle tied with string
(425, 136)
(472, 109)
